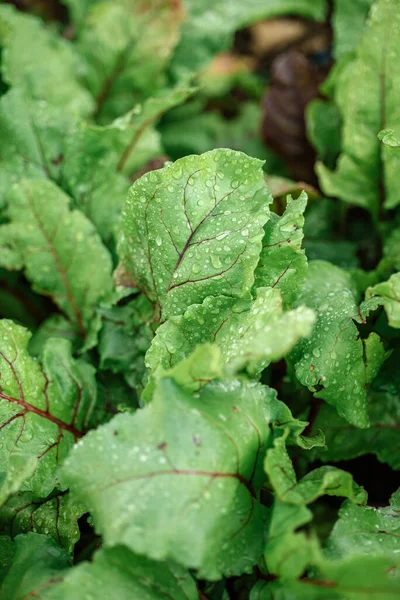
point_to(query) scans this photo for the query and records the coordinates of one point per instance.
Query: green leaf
(358, 578)
(118, 573)
(324, 129)
(381, 438)
(124, 339)
(366, 173)
(324, 480)
(183, 468)
(283, 263)
(125, 47)
(367, 531)
(348, 24)
(194, 229)
(386, 294)
(44, 407)
(42, 64)
(210, 25)
(288, 552)
(55, 326)
(248, 333)
(39, 566)
(6, 556)
(334, 362)
(97, 158)
(59, 248)
(34, 132)
(57, 516)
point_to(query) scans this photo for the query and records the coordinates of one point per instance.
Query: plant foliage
(199, 357)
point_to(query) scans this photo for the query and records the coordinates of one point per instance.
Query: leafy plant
(199, 382)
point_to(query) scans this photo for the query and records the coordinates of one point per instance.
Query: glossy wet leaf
(250, 333)
(56, 516)
(334, 363)
(194, 229)
(283, 263)
(365, 530)
(45, 407)
(366, 173)
(343, 441)
(60, 250)
(185, 467)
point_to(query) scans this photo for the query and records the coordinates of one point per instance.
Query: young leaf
(324, 480)
(249, 333)
(185, 467)
(59, 248)
(288, 552)
(365, 173)
(39, 62)
(283, 264)
(44, 408)
(125, 47)
(334, 362)
(57, 516)
(386, 294)
(194, 229)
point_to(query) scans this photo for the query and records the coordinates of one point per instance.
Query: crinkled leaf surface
(40, 567)
(56, 516)
(283, 264)
(334, 362)
(42, 64)
(186, 467)
(125, 46)
(194, 229)
(366, 173)
(44, 407)
(60, 250)
(248, 332)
